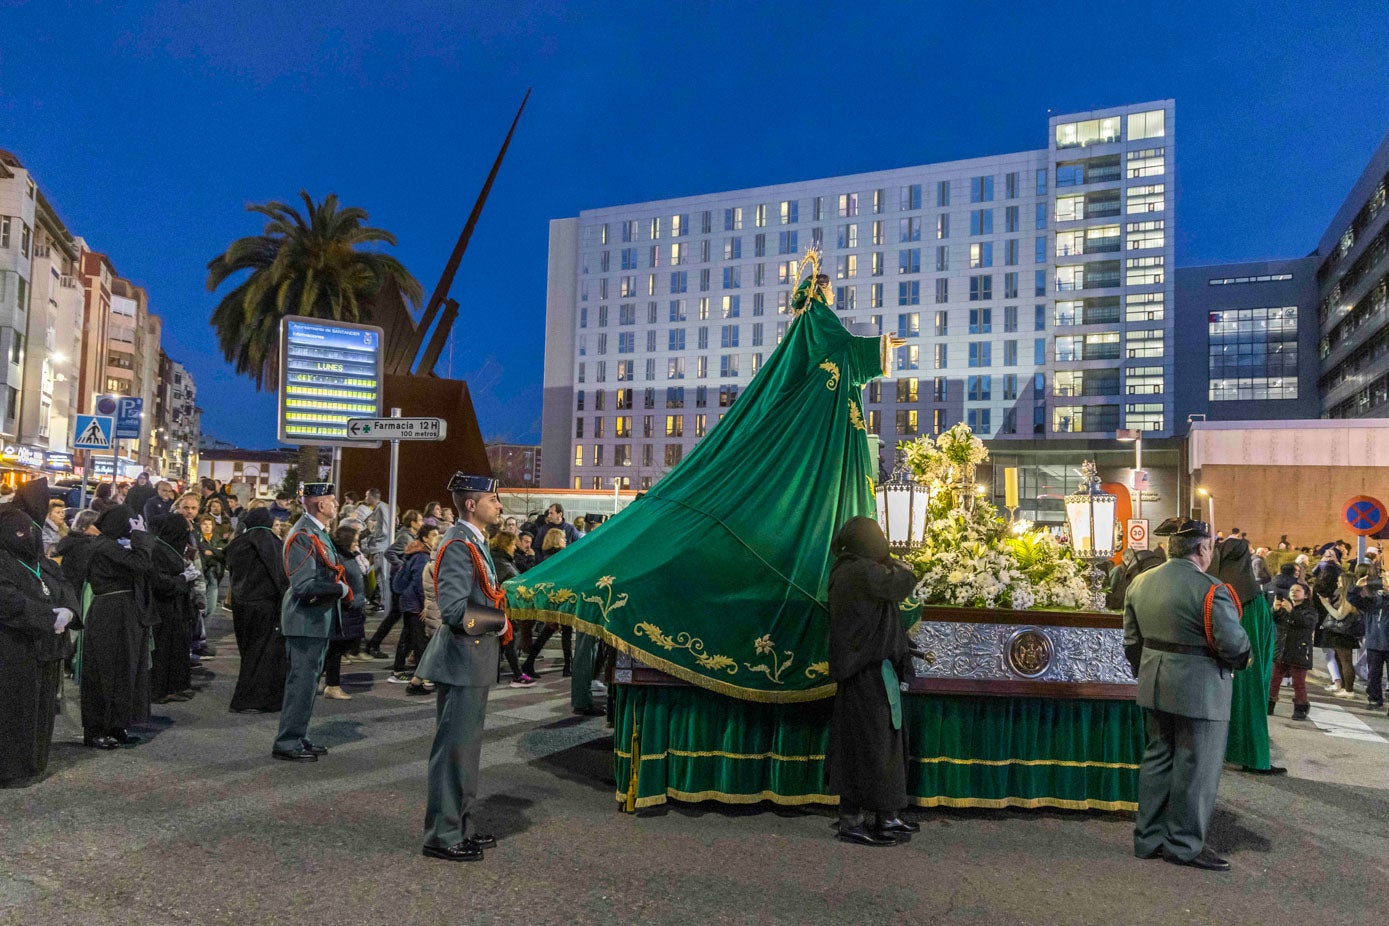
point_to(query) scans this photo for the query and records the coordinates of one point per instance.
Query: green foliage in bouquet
(968, 556)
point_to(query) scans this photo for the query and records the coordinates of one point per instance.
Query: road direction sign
(1138, 533)
(1365, 515)
(377, 429)
(92, 432)
(130, 415)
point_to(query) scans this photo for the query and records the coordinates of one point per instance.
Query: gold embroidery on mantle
(817, 669)
(856, 417)
(714, 662)
(764, 646)
(604, 607)
(833, 369)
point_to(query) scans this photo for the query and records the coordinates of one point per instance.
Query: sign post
(395, 429)
(1364, 516)
(90, 433)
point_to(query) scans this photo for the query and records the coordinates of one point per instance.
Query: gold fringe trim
(1026, 803)
(656, 662)
(1065, 763)
(685, 754)
(691, 797)
(980, 803)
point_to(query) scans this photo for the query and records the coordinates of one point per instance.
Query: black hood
(861, 537)
(172, 529)
(115, 522)
(18, 535)
(33, 498)
(258, 517)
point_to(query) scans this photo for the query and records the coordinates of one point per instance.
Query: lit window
(1147, 125)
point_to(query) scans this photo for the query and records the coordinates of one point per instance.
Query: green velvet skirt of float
(962, 751)
(1248, 743)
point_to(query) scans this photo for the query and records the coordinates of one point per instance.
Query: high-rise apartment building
(176, 437)
(1353, 294)
(1035, 292)
(19, 208)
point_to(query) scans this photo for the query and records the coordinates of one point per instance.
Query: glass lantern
(902, 509)
(1090, 512)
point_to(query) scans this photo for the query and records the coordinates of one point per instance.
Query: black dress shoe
(1271, 770)
(1206, 861)
(589, 711)
(124, 738)
(100, 742)
(463, 852)
(860, 836)
(898, 825)
(294, 755)
(483, 840)
(316, 750)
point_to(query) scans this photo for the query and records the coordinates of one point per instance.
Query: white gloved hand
(346, 589)
(190, 572)
(61, 618)
(137, 523)
(125, 542)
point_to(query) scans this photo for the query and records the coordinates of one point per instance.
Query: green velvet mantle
(718, 575)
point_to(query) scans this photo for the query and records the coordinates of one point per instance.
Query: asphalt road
(199, 826)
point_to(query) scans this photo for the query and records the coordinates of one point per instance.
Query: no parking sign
(1365, 515)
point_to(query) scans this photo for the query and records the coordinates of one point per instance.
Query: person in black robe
(171, 595)
(869, 651)
(36, 607)
(115, 642)
(255, 560)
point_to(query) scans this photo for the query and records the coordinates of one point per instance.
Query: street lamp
(1135, 435)
(1210, 500)
(902, 509)
(1090, 513)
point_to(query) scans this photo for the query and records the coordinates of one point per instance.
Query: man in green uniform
(461, 660)
(308, 614)
(1183, 638)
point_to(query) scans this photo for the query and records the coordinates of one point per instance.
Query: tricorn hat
(462, 482)
(1182, 527)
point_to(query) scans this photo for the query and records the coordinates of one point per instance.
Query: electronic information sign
(329, 372)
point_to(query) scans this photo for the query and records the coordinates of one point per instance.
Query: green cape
(718, 574)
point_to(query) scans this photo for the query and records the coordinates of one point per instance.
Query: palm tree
(301, 264)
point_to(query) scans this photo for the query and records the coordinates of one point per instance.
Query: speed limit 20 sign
(1137, 533)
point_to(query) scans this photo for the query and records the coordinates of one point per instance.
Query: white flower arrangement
(967, 557)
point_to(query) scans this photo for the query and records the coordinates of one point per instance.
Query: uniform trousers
(453, 764)
(1177, 783)
(581, 681)
(306, 656)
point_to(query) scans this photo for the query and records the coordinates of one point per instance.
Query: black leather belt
(1179, 648)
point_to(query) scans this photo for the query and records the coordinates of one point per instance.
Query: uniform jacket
(1167, 604)
(312, 605)
(453, 656)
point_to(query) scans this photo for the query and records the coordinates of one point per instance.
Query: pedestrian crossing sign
(92, 432)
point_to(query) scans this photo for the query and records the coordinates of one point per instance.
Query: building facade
(19, 209)
(515, 464)
(1034, 290)
(1247, 335)
(1353, 294)
(176, 437)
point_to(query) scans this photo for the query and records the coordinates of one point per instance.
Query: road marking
(542, 710)
(1334, 720)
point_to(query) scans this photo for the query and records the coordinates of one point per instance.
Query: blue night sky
(151, 125)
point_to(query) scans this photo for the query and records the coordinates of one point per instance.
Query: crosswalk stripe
(1337, 721)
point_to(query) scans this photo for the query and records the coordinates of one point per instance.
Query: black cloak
(867, 755)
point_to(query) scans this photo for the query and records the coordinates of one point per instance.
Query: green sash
(894, 693)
